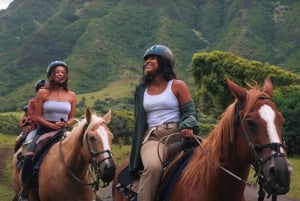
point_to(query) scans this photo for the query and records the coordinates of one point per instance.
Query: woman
(55, 107)
(25, 125)
(25, 121)
(163, 106)
(31, 103)
(30, 110)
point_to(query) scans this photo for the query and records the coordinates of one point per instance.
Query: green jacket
(188, 119)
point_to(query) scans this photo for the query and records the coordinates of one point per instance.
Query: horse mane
(77, 131)
(218, 146)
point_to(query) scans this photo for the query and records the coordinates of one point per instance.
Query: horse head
(97, 140)
(258, 124)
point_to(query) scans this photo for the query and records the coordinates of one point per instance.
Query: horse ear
(239, 93)
(88, 114)
(268, 86)
(107, 117)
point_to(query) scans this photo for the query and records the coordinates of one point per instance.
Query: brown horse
(249, 133)
(73, 167)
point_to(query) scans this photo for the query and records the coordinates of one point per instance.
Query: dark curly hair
(164, 67)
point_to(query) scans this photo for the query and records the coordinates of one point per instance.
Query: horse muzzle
(276, 174)
(107, 170)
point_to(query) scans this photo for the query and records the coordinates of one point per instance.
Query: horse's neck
(229, 169)
(232, 176)
(71, 149)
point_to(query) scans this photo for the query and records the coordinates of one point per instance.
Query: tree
(211, 68)
(287, 99)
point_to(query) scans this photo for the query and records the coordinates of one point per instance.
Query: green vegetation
(6, 153)
(9, 123)
(103, 42)
(100, 40)
(210, 69)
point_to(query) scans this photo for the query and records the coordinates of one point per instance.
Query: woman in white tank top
(163, 105)
(55, 107)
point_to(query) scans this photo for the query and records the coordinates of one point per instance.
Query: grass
(120, 88)
(295, 184)
(6, 192)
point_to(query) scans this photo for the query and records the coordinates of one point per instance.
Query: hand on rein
(186, 133)
(59, 125)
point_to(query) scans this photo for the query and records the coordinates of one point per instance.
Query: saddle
(178, 155)
(44, 143)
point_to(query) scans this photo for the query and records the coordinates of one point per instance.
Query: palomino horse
(249, 133)
(69, 169)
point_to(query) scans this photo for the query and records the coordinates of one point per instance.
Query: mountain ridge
(99, 39)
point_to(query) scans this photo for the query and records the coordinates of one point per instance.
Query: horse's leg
(116, 194)
(16, 175)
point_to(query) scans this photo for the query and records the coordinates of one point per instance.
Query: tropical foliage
(100, 39)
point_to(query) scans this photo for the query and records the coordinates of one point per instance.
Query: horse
(247, 135)
(73, 167)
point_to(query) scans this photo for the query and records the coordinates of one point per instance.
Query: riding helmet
(160, 50)
(39, 84)
(54, 64)
(25, 108)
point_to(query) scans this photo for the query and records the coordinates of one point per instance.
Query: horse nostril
(109, 173)
(272, 171)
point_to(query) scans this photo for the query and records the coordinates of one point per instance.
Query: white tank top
(161, 108)
(56, 110)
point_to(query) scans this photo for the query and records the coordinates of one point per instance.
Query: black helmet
(53, 64)
(160, 50)
(39, 84)
(25, 108)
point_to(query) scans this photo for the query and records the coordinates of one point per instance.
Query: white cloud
(4, 3)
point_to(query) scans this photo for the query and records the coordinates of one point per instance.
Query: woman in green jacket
(163, 106)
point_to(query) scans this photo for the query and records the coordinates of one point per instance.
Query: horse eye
(92, 138)
(250, 123)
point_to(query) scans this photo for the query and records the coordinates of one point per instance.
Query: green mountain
(103, 41)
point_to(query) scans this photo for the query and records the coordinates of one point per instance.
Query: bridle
(95, 164)
(258, 162)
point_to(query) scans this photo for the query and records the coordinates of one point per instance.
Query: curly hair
(164, 67)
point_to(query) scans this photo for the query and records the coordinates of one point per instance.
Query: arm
(188, 116)
(31, 109)
(73, 110)
(22, 121)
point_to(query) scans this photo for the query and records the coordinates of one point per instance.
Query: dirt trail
(251, 194)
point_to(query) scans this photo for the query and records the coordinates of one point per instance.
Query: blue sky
(4, 3)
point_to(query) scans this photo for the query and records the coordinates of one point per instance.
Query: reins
(221, 167)
(196, 138)
(94, 185)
